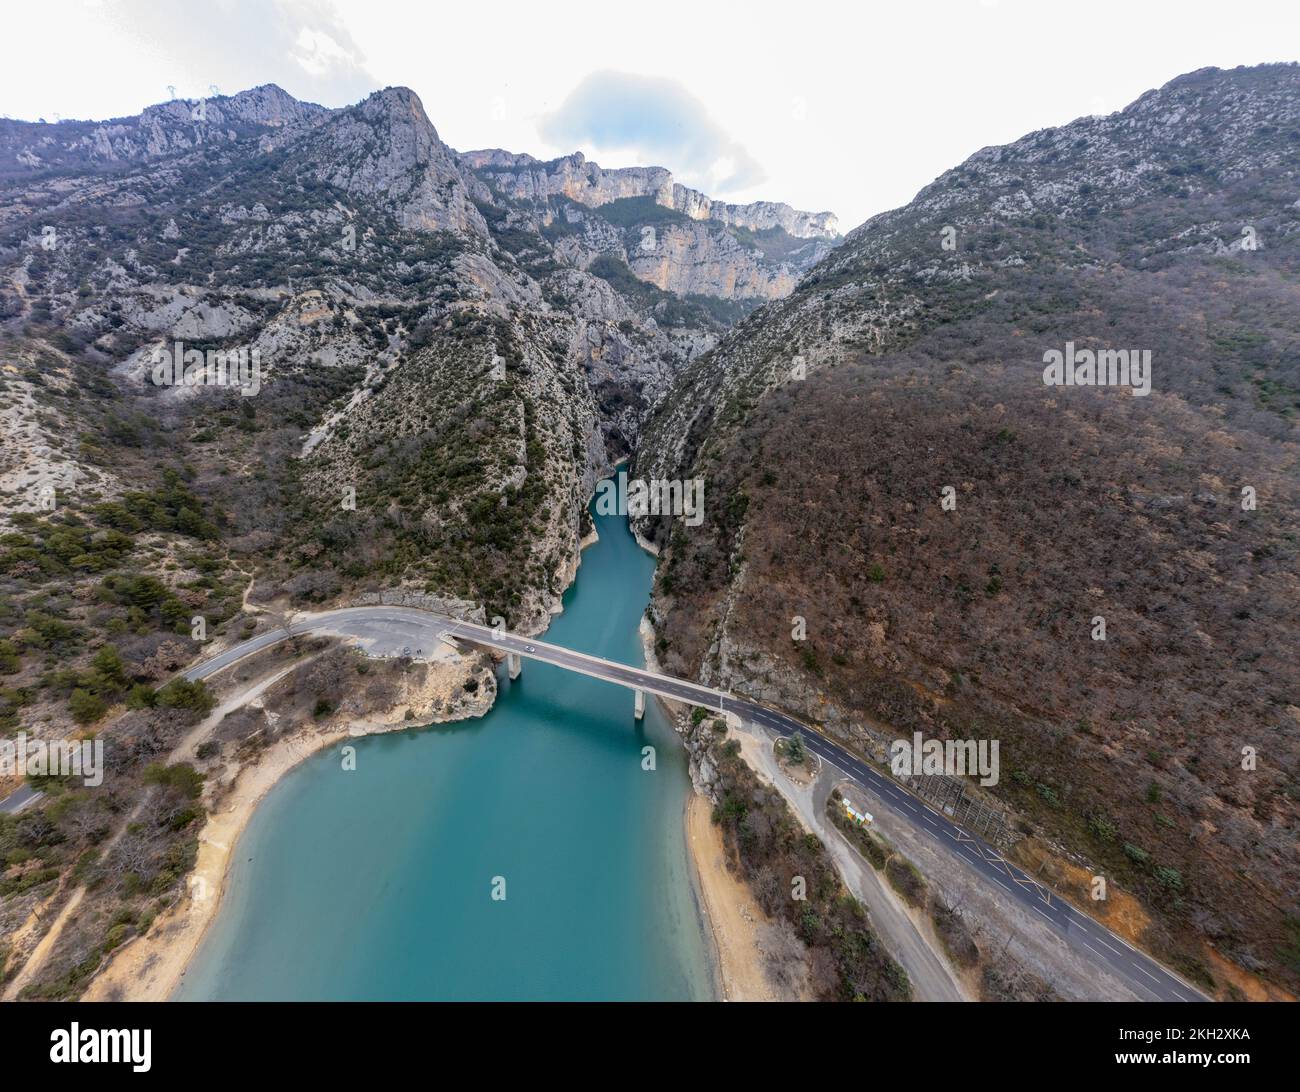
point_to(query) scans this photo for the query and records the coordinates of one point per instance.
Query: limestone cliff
(667, 234)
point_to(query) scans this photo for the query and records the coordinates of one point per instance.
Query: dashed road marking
(1116, 951)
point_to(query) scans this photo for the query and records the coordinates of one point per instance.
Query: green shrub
(796, 751)
(86, 707)
(8, 657)
(181, 776)
(142, 696)
(184, 694)
(1136, 854)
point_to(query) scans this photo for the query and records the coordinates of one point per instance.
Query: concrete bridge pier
(638, 710)
(515, 664)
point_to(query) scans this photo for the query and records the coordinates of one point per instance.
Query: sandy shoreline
(732, 917)
(151, 967)
(731, 914)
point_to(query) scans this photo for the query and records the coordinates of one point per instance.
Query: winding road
(395, 631)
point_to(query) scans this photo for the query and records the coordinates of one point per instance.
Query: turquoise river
(376, 884)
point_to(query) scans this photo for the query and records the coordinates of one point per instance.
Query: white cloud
(317, 52)
(659, 123)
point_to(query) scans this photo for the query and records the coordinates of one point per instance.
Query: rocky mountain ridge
(424, 347)
(525, 178)
(164, 129)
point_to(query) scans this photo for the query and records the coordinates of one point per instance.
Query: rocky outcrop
(386, 148)
(696, 259)
(439, 604)
(523, 178)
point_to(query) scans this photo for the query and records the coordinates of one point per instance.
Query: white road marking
(1102, 942)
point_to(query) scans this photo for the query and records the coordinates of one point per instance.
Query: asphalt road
(19, 799)
(1149, 978)
(404, 630)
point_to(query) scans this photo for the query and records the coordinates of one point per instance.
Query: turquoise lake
(376, 884)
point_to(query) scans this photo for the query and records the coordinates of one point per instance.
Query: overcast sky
(849, 106)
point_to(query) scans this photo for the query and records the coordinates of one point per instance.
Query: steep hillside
(1171, 227)
(430, 383)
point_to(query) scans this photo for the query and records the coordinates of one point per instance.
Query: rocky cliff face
(667, 234)
(911, 531)
(386, 150)
(522, 177)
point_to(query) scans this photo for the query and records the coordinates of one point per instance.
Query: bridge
(639, 680)
(391, 630)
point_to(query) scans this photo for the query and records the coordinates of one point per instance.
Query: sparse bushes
(954, 934)
(906, 880)
(847, 961)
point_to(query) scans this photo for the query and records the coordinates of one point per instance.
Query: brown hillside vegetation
(925, 371)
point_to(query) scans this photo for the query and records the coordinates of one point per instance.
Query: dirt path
(182, 752)
(932, 977)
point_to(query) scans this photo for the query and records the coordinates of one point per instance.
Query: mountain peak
(386, 146)
(399, 101)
